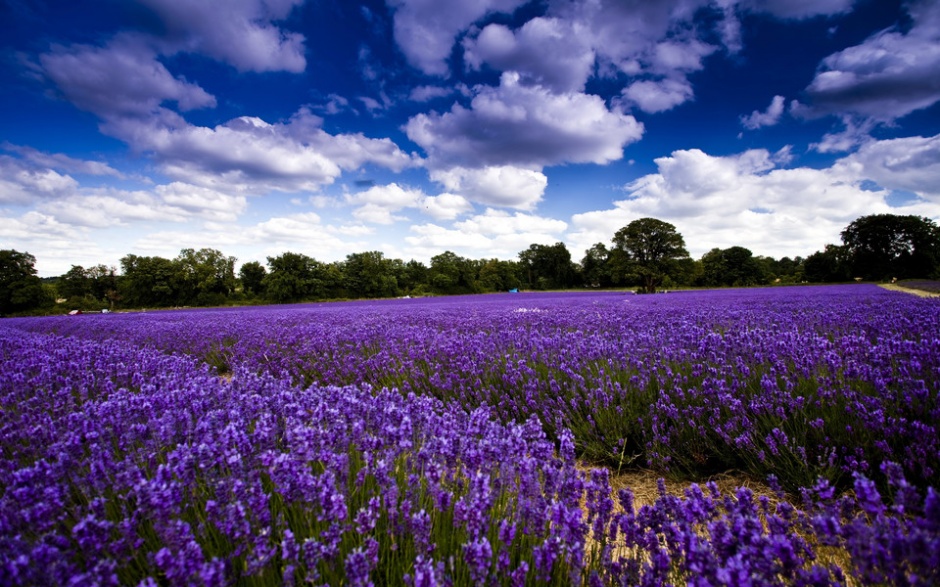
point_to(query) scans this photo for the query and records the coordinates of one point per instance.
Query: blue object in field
(514, 290)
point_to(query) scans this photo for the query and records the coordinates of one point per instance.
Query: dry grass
(645, 487)
(644, 484)
(916, 292)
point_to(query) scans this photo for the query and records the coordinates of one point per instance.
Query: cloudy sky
(328, 127)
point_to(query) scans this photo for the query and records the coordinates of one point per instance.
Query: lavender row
(126, 466)
(798, 382)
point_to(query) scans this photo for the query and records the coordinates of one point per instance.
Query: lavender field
(472, 440)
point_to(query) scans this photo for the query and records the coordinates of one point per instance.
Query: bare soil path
(916, 292)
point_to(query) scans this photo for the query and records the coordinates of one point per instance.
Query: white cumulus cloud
(769, 117)
(24, 183)
(495, 185)
(658, 96)
(239, 32)
(248, 153)
(379, 204)
(525, 126)
(62, 162)
(175, 202)
(426, 30)
(495, 233)
(446, 206)
(546, 51)
(121, 79)
(907, 163)
(889, 75)
(744, 200)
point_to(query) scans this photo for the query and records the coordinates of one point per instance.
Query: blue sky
(412, 127)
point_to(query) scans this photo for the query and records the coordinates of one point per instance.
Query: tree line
(648, 254)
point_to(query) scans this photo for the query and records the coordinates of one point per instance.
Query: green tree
(103, 281)
(252, 277)
(498, 275)
(882, 246)
(787, 270)
(74, 283)
(548, 266)
(329, 280)
(734, 266)
(452, 274)
(149, 281)
(370, 275)
(21, 289)
(205, 277)
(413, 276)
(595, 271)
(827, 266)
(291, 277)
(90, 287)
(652, 252)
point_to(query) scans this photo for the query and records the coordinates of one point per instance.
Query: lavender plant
(798, 382)
(425, 442)
(131, 467)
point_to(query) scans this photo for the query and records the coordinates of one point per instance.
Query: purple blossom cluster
(433, 442)
(799, 382)
(128, 466)
(705, 538)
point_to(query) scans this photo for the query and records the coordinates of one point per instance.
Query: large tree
(548, 266)
(291, 277)
(252, 277)
(206, 277)
(734, 266)
(595, 270)
(828, 265)
(20, 289)
(74, 283)
(370, 275)
(150, 281)
(652, 250)
(882, 246)
(498, 275)
(413, 276)
(452, 274)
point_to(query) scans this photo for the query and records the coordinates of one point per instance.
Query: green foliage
(595, 269)
(21, 290)
(290, 278)
(498, 275)
(651, 251)
(412, 276)
(452, 274)
(149, 282)
(252, 276)
(827, 266)
(74, 283)
(886, 246)
(648, 253)
(734, 266)
(547, 267)
(783, 270)
(204, 277)
(90, 288)
(371, 275)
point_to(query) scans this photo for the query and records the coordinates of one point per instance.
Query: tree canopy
(886, 246)
(652, 250)
(647, 252)
(20, 289)
(548, 266)
(734, 266)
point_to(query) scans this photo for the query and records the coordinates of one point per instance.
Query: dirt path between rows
(916, 292)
